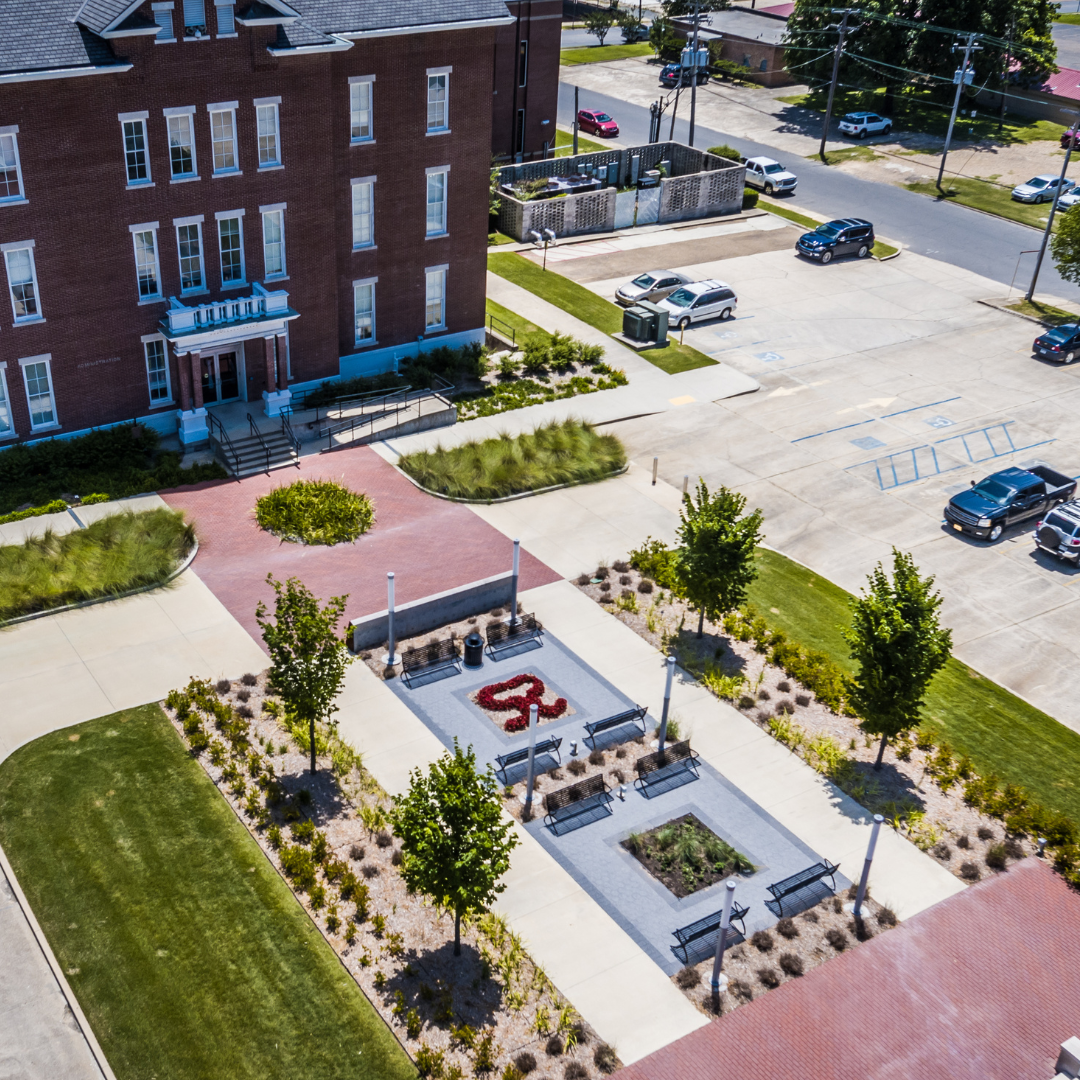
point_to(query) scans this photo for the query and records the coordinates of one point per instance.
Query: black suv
(677, 75)
(845, 236)
(1062, 343)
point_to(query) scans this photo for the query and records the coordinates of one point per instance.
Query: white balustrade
(261, 304)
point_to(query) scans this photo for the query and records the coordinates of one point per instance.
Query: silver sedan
(653, 285)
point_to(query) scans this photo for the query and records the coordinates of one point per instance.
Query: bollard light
(865, 879)
(655, 464)
(514, 583)
(573, 747)
(532, 759)
(622, 792)
(391, 658)
(1042, 846)
(721, 941)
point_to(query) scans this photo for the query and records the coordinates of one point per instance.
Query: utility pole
(693, 69)
(961, 78)
(1053, 207)
(575, 119)
(1005, 72)
(843, 28)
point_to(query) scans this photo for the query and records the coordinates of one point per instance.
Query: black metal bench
(709, 925)
(575, 799)
(504, 635)
(660, 764)
(548, 746)
(631, 716)
(797, 882)
(430, 657)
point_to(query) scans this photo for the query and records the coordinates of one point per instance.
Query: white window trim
(168, 399)
(442, 268)
(371, 139)
(372, 246)
(221, 4)
(183, 110)
(202, 37)
(150, 227)
(46, 359)
(266, 101)
(168, 5)
(197, 221)
(448, 70)
(373, 340)
(131, 118)
(221, 107)
(225, 215)
(23, 245)
(20, 199)
(274, 208)
(274, 103)
(446, 201)
(445, 129)
(6, 395)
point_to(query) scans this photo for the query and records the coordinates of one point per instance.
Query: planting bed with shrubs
(315, 512)
(328, 834)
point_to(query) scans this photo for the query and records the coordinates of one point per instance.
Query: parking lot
(886, 388)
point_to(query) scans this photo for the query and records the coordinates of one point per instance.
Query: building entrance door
(220, 378)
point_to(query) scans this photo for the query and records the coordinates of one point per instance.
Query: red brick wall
(79, 210)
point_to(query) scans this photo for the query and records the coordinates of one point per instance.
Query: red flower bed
(486, 699)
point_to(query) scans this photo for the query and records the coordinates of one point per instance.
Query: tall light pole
(693, 69)
(843, 28)
(1053, 207)
(961, 78)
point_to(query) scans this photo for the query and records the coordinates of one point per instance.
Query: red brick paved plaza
(428, 543)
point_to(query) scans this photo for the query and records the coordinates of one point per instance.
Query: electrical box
(659, 326)
(638, 323)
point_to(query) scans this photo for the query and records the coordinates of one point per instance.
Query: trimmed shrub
(768, 977)
(749, 198)
(791, 964)
(315, 512)
(787, 928)
(837, 939)
(688, 977)
(763, 941)
(995, 857)
(525, 1062)
(605, 1059)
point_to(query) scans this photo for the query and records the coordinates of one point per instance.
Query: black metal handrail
(262, 442)
(387, 405)
(287, 431)
(217, 431)
(299, 398)
(512, 335)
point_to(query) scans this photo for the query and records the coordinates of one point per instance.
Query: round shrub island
(315, 512)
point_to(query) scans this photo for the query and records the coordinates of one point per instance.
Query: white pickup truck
(769, 175)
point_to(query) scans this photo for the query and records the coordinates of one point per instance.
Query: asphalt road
(978, 242)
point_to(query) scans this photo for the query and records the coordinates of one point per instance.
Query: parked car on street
(700, 301)
(597, 123)
(844, 236)
(1006, 497)
(1041, 188)
(677, 75)
(860, 124)
(1066, 136)
(1069, 199)
(1062, 343)
(1059, 532)
(769, 175)
(653, 285)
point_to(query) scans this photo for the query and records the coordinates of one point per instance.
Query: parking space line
(899, 412)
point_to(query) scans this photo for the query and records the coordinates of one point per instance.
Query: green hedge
(749, 198)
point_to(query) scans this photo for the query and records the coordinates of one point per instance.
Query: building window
(364, 311)
(163, 17)
(136, 158)
(181, 146)
(194, 18)
(157, 371)
(147, 266)
(435, 302)
(523, 63)
(267, 119)
(360, 125)
(226, 27)
(39, 391)
(223, 138)
(5, 405)
(273, 242)
(437, 91)
(11, 187)
(231, 245)
(436, 202)
(189, 244)
(22, 280)
(363, 212)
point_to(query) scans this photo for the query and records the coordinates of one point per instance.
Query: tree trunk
(312, 731)
(881, 751)
(701, 622)
(457, 933)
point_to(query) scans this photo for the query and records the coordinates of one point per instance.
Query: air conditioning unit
(638, 323)
(659, 329)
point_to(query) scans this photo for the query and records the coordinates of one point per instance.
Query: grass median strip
(999, 732)
(598, 54)
(186, 950)
(564, 144)
(585, 305)
(1045, 313)
(986, 196)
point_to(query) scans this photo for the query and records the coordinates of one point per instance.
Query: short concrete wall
(443, 418)
(431, 612)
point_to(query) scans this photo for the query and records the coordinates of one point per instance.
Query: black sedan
(1061, 344)
(845, 236)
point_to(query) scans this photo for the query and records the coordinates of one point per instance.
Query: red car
(597, 123)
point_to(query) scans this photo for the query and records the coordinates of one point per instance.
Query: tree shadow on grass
(884, 791)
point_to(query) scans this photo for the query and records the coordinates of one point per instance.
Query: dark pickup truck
(1005, 497)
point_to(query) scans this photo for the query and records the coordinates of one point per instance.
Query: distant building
(752, 39)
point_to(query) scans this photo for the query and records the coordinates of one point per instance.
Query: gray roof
(40, 34)
(352, 16)
(99, 15)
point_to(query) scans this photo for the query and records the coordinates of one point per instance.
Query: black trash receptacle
(474, 650)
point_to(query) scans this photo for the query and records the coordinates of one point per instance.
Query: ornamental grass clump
(118, 553)
(315, 512)
(571, 452)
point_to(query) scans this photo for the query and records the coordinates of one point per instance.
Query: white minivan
(700, 301)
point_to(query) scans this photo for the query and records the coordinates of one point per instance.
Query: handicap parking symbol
(768, 357)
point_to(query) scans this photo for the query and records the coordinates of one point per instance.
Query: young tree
(665, 43)
(598, 23)
(898, 645)
(1065, 246)
(454, 837)
(715, 560)
(308, 657)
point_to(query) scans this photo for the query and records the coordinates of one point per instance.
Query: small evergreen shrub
(787, 928)
(791, 964)
(768, 977)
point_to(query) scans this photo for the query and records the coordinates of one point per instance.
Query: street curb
(65, 989)
(807, 213)
(1000, 305)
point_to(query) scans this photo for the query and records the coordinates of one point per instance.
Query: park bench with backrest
(660, 764)
(430, 657)
(710, 925)
(504, 635)
(568, 802)
(515, 757)
(798, 882)
(631, 716)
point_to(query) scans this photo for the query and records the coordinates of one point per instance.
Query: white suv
(769, 175)
(700, 301)
(861, 124)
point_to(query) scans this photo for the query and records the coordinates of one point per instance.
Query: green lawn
(999, 732)
(1046, 313)
(849, 153)
(564, 144)
(496, 239)
(983, 195)
(518, 323)
(1072, 18)
(880, 249)
(597, 54)
(186, 950)
(590, 308)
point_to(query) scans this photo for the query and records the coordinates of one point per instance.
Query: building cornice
(427, 28)
(63, 73)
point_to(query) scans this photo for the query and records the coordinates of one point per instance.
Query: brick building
(204, 201)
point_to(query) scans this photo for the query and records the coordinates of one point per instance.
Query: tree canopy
(1065, 246)
(598, 22)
